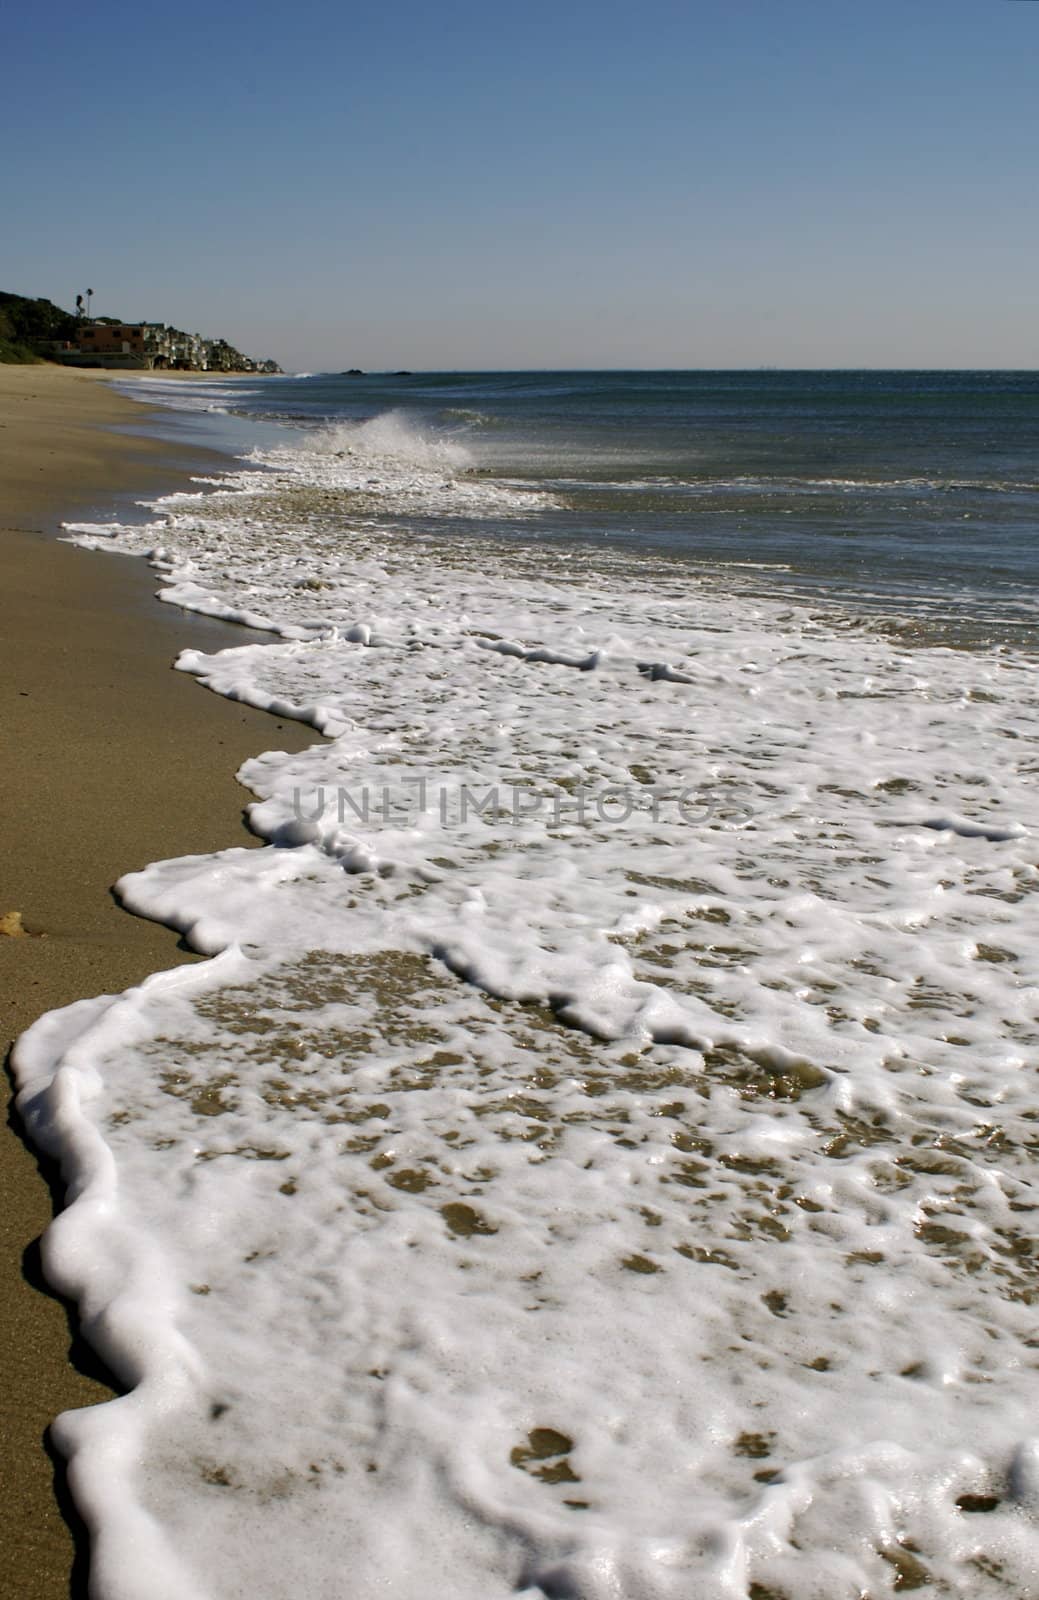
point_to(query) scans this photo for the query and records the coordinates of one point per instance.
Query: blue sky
(716, 183)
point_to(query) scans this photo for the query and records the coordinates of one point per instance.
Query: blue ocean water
(890, 489)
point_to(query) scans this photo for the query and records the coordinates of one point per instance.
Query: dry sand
(108, 760)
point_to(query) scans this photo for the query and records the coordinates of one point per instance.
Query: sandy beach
(110, 760)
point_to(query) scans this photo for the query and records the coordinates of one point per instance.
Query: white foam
(598, 1159)
(209, 394)
(393, 459)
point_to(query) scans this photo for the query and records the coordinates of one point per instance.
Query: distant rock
(352, 372)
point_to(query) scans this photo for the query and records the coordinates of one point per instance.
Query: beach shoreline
(110, 760)
(592, 1137)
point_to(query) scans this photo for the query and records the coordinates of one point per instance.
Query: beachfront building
(151, 345)
(114, 339)
(184, 352)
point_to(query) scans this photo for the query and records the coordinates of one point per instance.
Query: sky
(451, 185)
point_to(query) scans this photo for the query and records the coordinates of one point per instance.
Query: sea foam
(597, 1160)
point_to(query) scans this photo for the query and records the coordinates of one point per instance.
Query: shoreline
(810, 921)
(111, 760)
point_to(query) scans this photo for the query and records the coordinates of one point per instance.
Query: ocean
(596, 1162)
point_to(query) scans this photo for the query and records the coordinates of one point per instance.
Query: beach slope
(109, 760)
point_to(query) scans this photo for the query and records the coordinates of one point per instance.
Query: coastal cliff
(38, 330)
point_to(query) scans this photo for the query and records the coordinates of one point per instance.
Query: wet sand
(108, 760)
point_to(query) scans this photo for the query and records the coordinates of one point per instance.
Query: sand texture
(108, 760)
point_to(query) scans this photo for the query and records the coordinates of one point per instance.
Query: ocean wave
(472, 418)
(787, 485)
(780, 484)
(212, 395)
(596, 1159)
(392, 461)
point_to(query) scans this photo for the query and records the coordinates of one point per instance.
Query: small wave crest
(205, 394)
(392, 460)
(470, 417)
(913, 485)
(392, 437)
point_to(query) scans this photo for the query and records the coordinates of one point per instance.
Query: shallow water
(889, 490)
(598, 1159)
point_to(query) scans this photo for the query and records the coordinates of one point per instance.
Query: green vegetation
(28, 327)
(38, 330)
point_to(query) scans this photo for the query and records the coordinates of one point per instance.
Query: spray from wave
(396, 464)
(396, 438)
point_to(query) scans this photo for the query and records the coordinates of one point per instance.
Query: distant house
(153, 344)
(115, 339)
(169, 347)
(138, 344)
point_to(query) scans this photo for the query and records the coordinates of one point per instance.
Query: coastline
(790, 966)
(110, 760)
